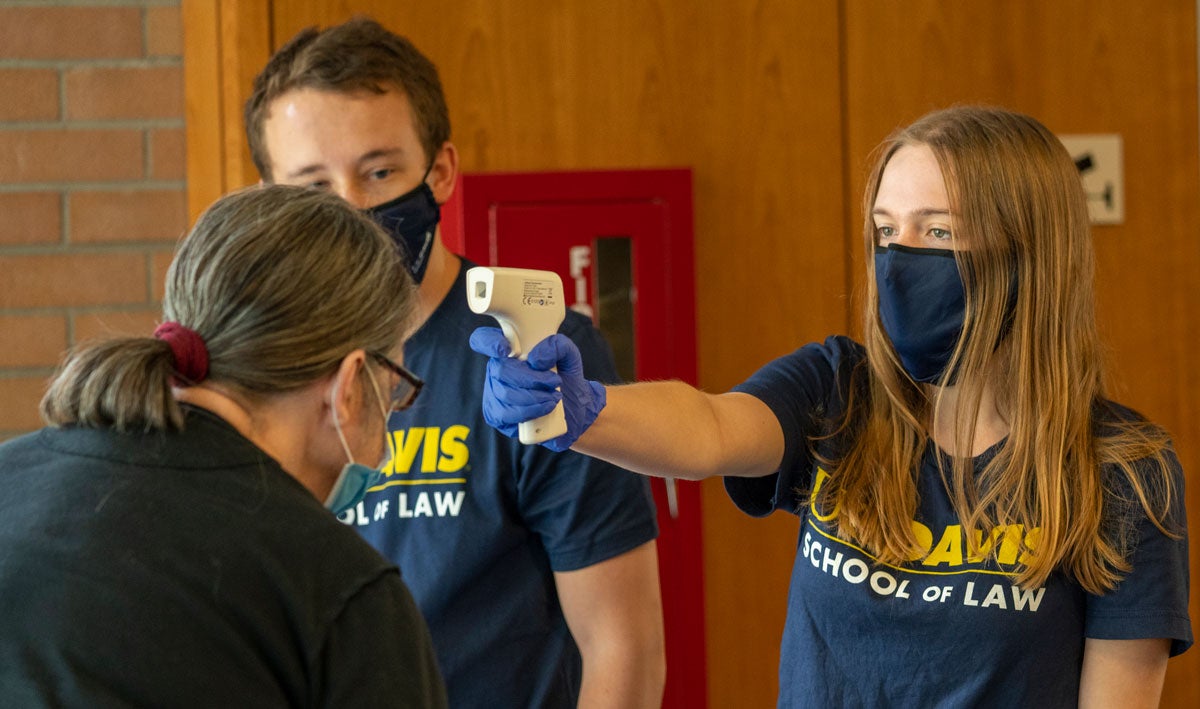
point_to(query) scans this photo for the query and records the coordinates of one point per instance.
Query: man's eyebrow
(366, 157)
(305, 171)
(380, 153)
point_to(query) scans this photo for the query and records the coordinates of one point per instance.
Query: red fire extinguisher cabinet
(622, 242)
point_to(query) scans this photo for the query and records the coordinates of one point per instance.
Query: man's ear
(444, 172)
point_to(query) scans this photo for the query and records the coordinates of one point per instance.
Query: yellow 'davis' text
(429, 449)
(942, 572)
(948, 548)
(427, 478)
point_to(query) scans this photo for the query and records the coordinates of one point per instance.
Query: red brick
(29, 95)
(32, 340)
(99, 93)
(164, 31)
(70, 155)
(59, 280)
(30, 218)
(70, 32)
(160, 263)
(132, 323)
(21, 396)
(128, 215)
(168, 154)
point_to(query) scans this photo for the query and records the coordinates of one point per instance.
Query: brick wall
(92, 180)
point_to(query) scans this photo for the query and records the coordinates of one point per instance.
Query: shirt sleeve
(1152, 600)
(379, 653)
(804, 390)
(585, 510)
(598, 362)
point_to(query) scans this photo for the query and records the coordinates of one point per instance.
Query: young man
(537, 572)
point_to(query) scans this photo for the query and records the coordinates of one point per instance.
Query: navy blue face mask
(922, 304)
(411, 220)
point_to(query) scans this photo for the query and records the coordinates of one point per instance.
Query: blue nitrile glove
(512, 391)
(582, 399)
(518, 391)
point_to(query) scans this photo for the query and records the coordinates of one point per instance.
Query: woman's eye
(381, 174)
(940, 234)
(318, 185)
(886, 232)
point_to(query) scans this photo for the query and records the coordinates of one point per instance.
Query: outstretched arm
(667, 429)
(672, 429)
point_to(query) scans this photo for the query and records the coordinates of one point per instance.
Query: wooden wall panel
(201, 93)
(245, 48)
(226, 43)
(1094, 66)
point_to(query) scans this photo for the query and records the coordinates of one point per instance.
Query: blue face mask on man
(922, 304)
(411, 220)
(355, 479)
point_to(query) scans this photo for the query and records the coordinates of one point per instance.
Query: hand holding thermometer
(529, 306)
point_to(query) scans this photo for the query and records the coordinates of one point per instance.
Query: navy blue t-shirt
(943, 630)
(478, 523)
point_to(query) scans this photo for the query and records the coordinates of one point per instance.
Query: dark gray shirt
(189, 569)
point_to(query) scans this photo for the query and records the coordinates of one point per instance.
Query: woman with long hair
(980, 524)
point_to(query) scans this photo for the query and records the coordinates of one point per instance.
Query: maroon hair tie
(191, 356)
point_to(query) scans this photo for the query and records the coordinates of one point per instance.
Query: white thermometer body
(529, 306)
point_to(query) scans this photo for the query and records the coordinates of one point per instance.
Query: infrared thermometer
(529, 306)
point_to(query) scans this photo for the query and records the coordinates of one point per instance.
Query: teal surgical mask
(355, 479)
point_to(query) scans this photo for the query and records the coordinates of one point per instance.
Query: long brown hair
(1024, 250)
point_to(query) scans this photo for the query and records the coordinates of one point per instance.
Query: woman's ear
(444, 172)
(345, 389)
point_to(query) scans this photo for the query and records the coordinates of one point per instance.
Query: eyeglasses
(406, 390)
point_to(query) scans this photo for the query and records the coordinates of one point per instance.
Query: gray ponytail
(122, 383)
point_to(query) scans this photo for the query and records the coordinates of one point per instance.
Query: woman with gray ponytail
(171, 539)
